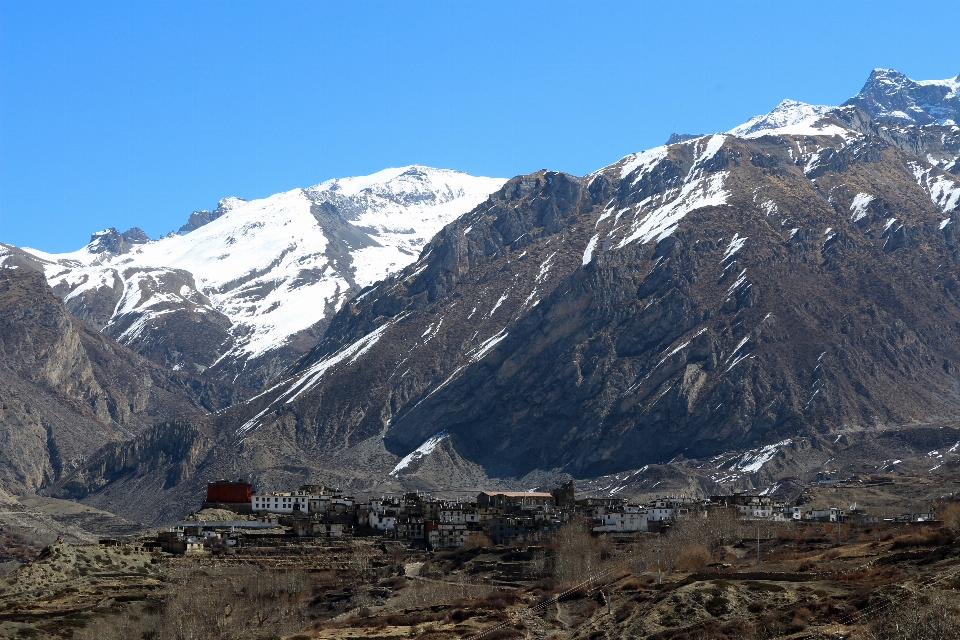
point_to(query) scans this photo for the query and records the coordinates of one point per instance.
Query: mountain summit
(890, 95)
(786, 115)
(245, 290)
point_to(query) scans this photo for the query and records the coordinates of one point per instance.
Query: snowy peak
(788, 118)
(255, 282)
(405, 186)
(890, 95)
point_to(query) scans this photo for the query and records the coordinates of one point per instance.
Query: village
(316, 562)
(505, 517)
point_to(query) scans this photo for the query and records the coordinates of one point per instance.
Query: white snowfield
(951, 84)
(791, 118)
(269, 265)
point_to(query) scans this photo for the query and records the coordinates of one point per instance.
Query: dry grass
(925, 538)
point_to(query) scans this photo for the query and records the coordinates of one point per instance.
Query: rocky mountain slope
(243, 291)
(890, 95)
(696, 298)
(66, 390)
(797, 278)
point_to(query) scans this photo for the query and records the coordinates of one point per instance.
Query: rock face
(66, 390)
(245, 290)
(199, 218)
(937, 144)
(728, 292)
(890, 95)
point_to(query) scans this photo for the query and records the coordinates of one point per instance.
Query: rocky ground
(215, 515)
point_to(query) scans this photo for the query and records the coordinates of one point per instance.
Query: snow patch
(420, 452)
(735, 245)
(714, 144)
(499, 302)
(859, 206)
(791, 118)
(769, 207)
(487, 345)
(588, 253)
(643, 161)
(943, 191)
(312, 376)
(661, 221)
(753, 460)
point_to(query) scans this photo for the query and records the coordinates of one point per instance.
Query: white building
(755, 510)
(284, 502)
(382, 521)
(793, 513)
(827, 515)
(623, 522)
(458, 516)
(667, 509)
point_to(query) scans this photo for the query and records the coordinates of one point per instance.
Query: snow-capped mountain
(916, 115)
(247, 289)
(725, 292)
(788, 118)
(890, 95)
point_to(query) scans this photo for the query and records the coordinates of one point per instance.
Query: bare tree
(576, 553)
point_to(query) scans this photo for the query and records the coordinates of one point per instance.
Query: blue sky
(135, 114)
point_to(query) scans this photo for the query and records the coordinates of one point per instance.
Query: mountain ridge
(584, 326)
(251, 286)
(890, 95)
(728, 292)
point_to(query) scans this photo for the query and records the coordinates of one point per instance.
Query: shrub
(934, 538)
(397, 582)
(477, 541)
(624, 611)
(498, 600)
(459, 615)
(694, 558)
(546, 584)
(631, 585)
(717, 606)
(411, 619)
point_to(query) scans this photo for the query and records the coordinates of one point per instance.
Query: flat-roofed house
(515, 499)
